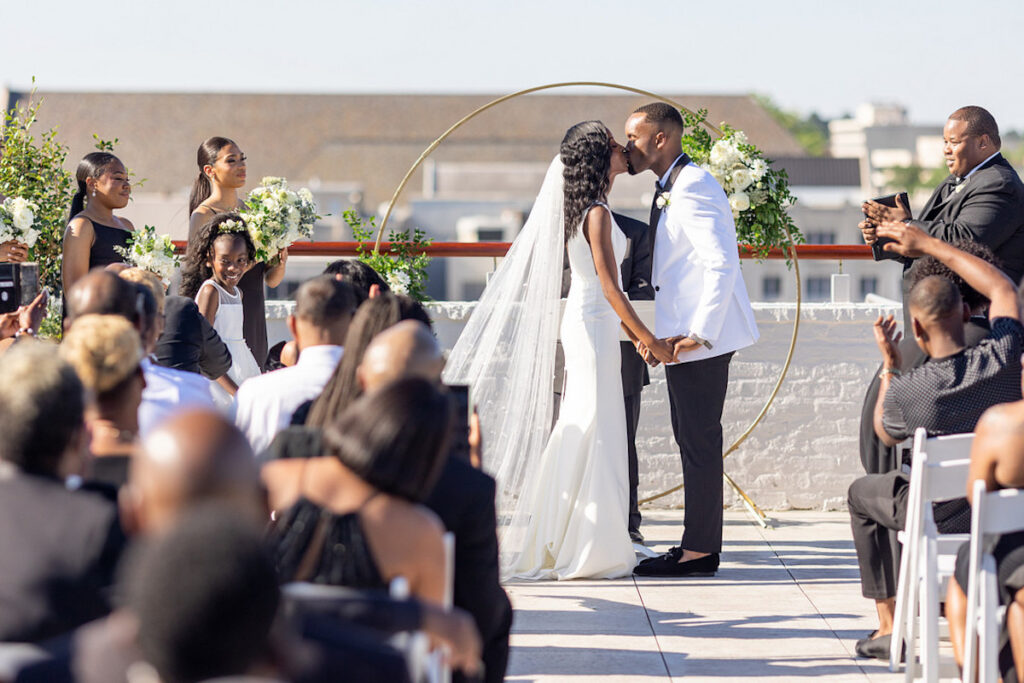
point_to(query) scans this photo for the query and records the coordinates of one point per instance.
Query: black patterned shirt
(948, 395)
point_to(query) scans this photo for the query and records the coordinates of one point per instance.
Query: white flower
(758, 167)
(741, 179)
(399, 281)
(723, 153)
(21, 213)
(739, 201)
(305, 195)
(664, 199)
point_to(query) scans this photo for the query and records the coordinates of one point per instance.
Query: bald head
(193, 457)
(99, 291)
(407, 349)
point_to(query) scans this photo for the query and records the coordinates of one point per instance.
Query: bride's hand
(646, 354)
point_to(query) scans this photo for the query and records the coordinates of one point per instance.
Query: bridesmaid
(221, 175)
(93, 230)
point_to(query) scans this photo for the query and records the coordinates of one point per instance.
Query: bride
(562, 493)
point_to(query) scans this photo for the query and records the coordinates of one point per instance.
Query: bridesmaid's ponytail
(206, 156)
(92, 165)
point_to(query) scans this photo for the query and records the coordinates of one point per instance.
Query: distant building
(882, 138)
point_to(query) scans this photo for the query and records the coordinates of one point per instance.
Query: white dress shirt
(696, 269)
(264, 405)
(169, 391)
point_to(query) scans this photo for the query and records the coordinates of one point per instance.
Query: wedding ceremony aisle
(785, 605)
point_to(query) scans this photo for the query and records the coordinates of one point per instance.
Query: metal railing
(810, 252)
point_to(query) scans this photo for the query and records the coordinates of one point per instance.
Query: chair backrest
(998, 512)
(940, 464)
(943, 448)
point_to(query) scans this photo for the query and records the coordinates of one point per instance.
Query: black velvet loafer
(669, 565)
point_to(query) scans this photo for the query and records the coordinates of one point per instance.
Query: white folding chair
(992, 514)
(938, 472)
(423, 664)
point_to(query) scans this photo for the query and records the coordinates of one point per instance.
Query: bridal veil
(506, 354)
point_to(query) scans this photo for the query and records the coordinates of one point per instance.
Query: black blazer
(60, 551)
(464, 500)
(636, 282)
(189, 342)
(988, 209)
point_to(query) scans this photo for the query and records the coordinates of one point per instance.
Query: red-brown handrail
(819, 252)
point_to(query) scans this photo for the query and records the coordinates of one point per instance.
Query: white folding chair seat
(938, 472)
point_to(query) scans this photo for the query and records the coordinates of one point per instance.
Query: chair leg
(988, 660)
(901, 614)
(930, 616)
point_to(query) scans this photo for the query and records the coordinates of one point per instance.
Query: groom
(701, 306)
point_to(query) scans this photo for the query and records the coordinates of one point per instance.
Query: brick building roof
(369, 139)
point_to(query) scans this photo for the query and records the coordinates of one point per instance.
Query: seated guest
(205, 596)
(192, 458)
(946, 395)
(373, 316)
(106, 353)
(189, 342)
(60, 547)
(103, 293)
(168, 390)
(352, 518)
(997, 458)
(876, 457)
(264, 405)
(366, 281)
(463, 497)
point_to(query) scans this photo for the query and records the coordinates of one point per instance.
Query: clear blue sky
(827, 56)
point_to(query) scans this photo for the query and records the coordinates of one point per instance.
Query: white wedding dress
(578, 497)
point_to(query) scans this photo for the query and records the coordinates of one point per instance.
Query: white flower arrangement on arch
(758, 194)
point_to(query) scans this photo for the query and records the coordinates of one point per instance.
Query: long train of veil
(506, 354)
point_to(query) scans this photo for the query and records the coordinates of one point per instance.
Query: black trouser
(632, 403)
(696, 393)
(878, 504)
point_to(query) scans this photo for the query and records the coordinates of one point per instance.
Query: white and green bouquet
(18, 221)
(278, 217)
(150, 251)
(758, 194)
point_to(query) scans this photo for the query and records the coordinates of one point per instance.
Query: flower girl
(217, 258)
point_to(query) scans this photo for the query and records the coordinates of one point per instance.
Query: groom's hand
(663, 351)
(681, 344)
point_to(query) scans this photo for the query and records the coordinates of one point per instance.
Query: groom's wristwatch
(700, 340)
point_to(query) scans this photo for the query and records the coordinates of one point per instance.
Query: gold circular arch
(747, 501)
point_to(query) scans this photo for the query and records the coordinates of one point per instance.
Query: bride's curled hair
(586, 153)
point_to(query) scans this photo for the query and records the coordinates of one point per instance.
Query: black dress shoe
(636, 537)
(669, 565)
(673, 553)
(877, 648)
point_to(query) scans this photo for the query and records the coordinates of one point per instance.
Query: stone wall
(804, 454)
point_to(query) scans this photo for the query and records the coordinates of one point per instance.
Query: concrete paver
(785, 605)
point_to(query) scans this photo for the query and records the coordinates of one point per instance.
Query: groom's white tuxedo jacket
(696, 270)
